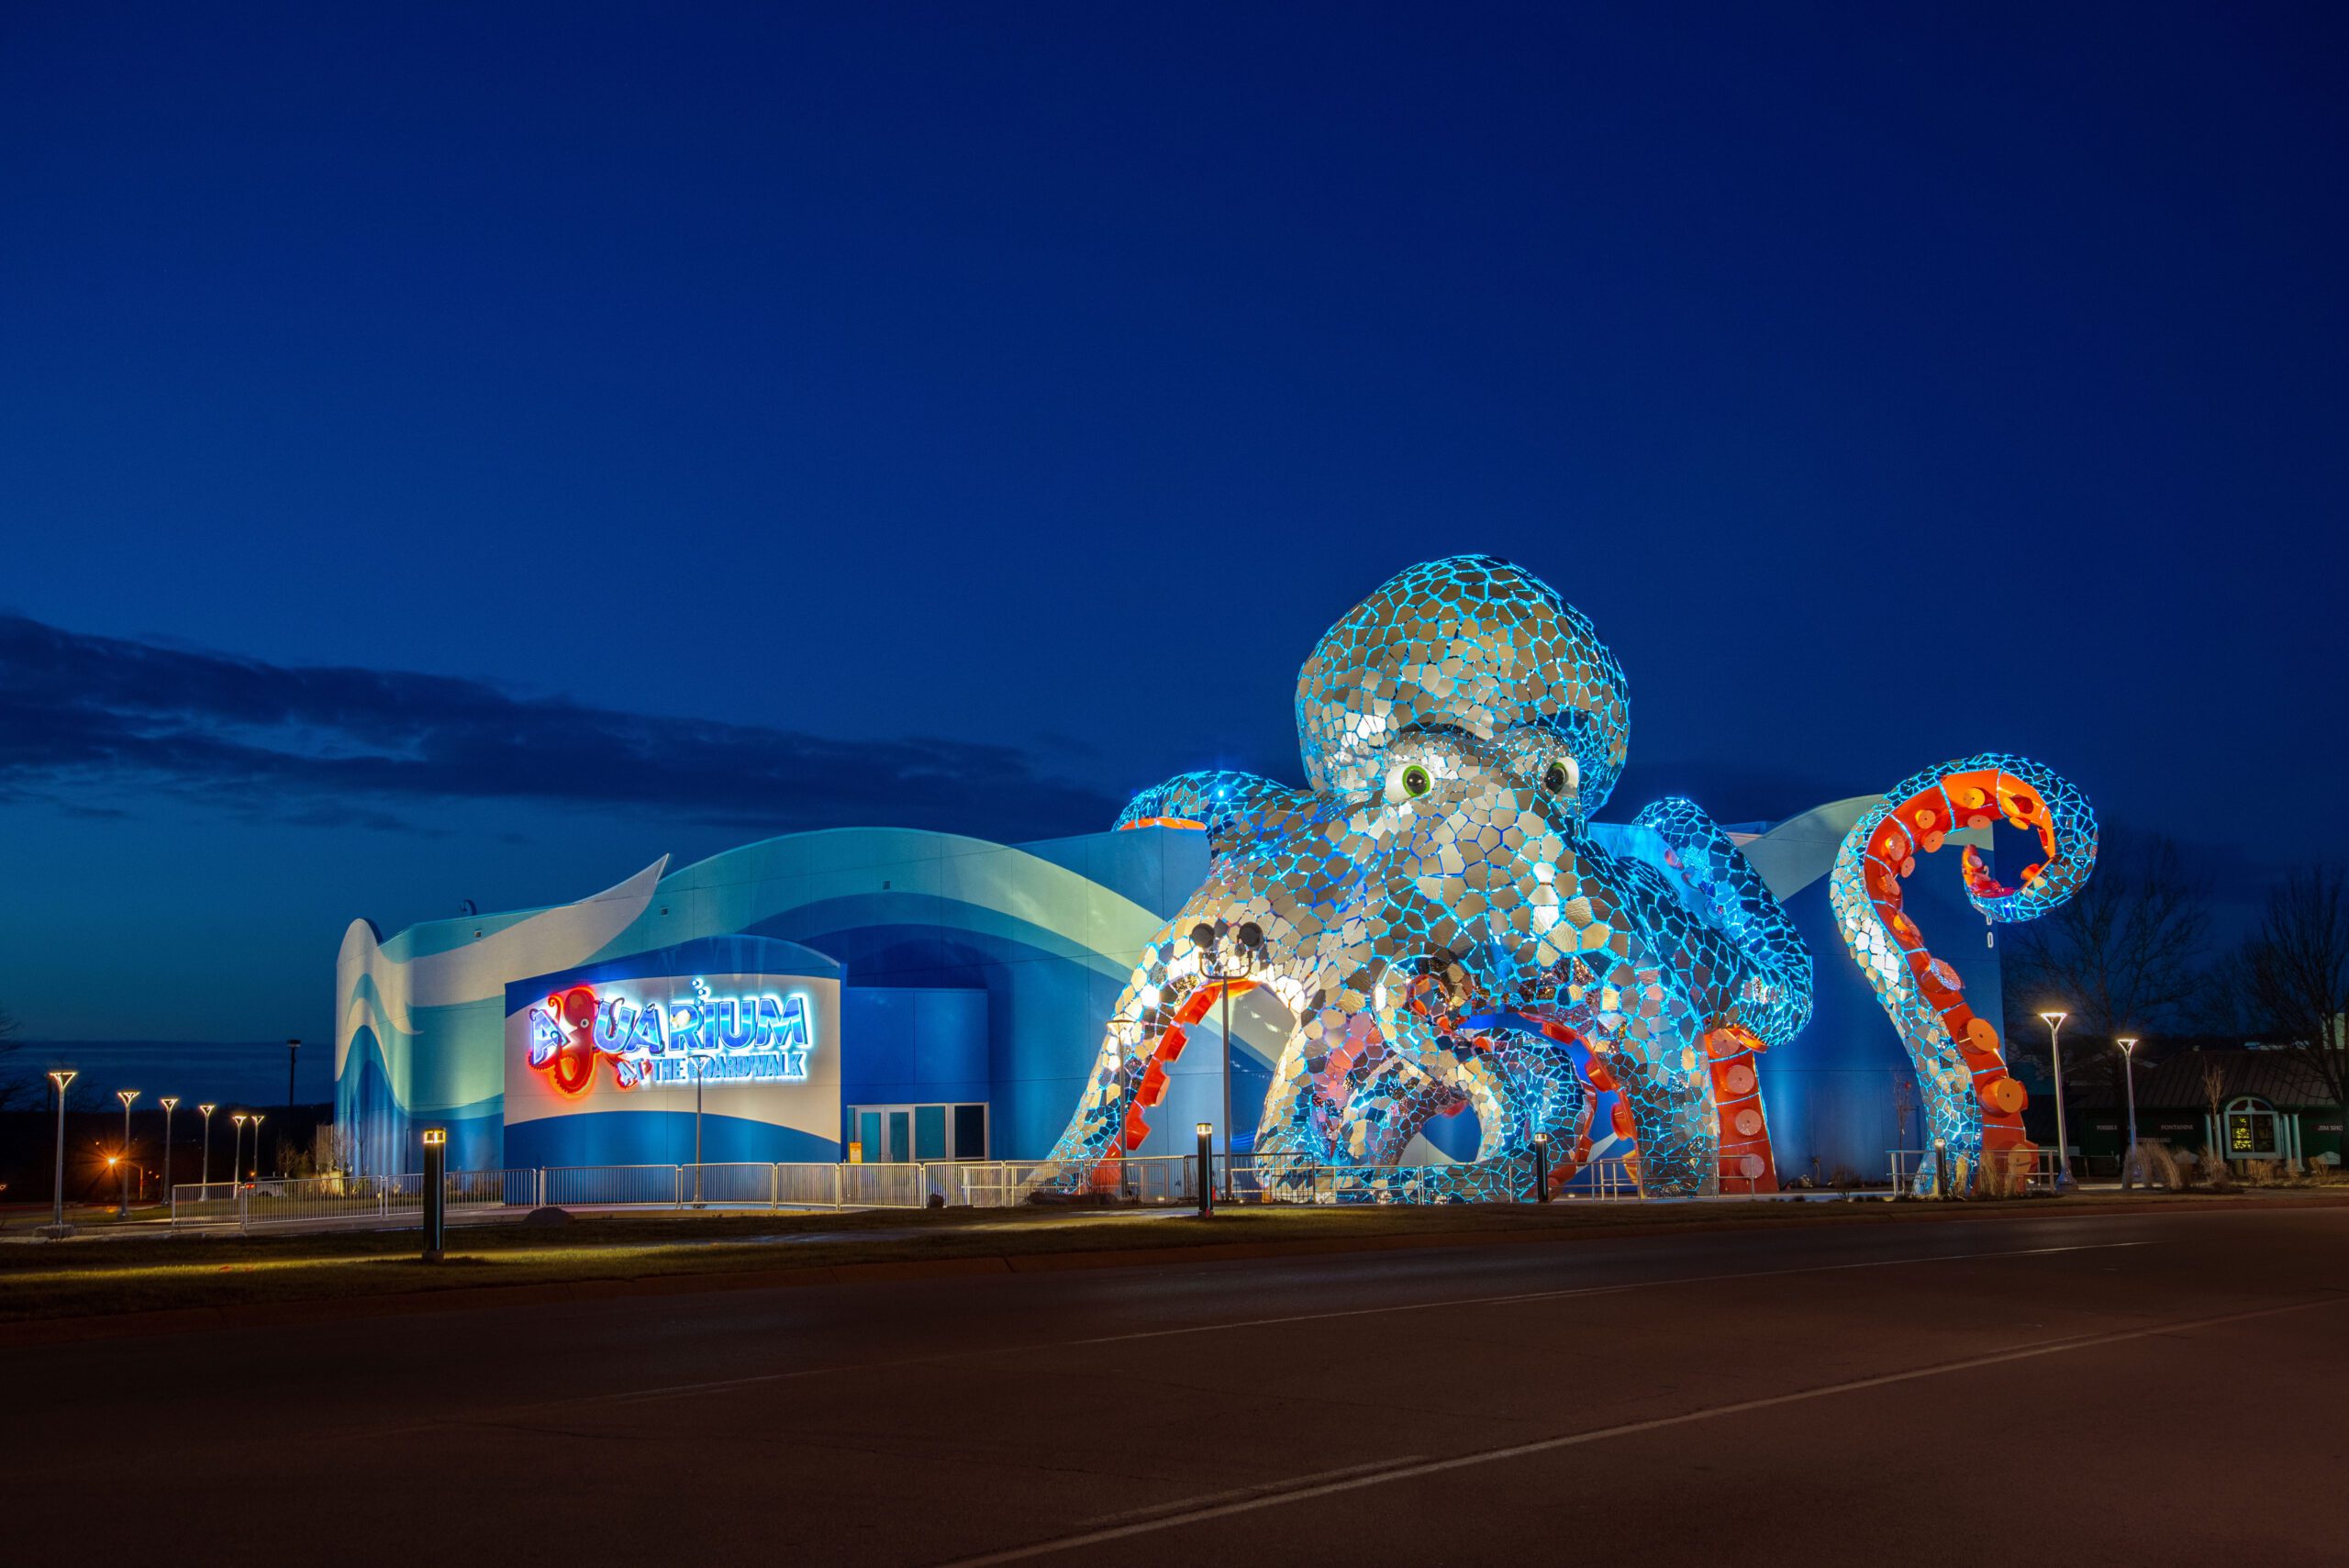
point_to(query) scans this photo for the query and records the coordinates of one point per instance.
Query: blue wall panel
(657, 1137)
(913, 1046)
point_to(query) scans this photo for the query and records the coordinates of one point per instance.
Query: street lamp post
(207, 1111)
(126, 1096)
(170, 1103)
(61, 1078)
(291, 1047)
(237, 1147)
(1212, 968)
(2054, 1022)
(257, 1116)
(2129, 1082)
(698, 1061)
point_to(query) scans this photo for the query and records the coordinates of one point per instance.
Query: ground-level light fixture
(436, 1210)
(1207, 1168)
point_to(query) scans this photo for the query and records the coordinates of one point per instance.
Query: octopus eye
(1564, 774)
(1409, 783)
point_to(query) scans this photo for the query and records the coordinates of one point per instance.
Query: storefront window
(2251, 1130)
(930, 1132)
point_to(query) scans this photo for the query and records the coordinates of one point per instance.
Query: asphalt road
(2066, 1389)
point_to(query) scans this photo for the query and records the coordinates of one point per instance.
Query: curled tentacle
(1238, 810)
(1972, 1104)
(1769, 994)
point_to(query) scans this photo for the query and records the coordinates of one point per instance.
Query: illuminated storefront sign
(755, 1038)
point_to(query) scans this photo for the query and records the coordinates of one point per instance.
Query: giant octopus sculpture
(1447, 931)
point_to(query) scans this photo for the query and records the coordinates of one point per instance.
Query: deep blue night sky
(446, 456)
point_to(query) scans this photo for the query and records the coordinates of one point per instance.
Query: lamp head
(126, 1096)
(169, 1102)
(1542, 1141)
(2128, 1044)
(238, 1119)
(434, 1137)
(62, 1076)
(208, 1110)
(1203, 937)
(1252, 936)
(2053, 1020)
(1206, 1129)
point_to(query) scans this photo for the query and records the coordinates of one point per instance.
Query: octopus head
(1472, 646)
(1442, 789)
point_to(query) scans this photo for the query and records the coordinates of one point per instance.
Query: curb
(35, 1332)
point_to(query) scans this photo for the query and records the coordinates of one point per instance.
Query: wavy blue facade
(981, 972)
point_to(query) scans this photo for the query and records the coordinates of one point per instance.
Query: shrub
(2157, 1167)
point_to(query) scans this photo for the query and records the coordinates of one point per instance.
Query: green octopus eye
(1416, 782)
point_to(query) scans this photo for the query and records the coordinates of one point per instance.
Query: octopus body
(1444, 928)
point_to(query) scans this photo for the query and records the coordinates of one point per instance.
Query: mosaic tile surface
(1438, 921)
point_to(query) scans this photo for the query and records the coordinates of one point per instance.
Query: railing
(1160, 1180)
(599, 1187)
(807, 1187)
(1150, 1179)
(730, 1185)
(2002, 1173)
(1617, 1178)
(883, 1186)
(303, 1200)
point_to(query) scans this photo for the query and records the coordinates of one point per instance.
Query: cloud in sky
(86, 720)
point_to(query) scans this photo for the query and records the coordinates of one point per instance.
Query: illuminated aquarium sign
(753, 1037)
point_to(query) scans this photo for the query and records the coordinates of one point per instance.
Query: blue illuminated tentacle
(1971, 1104)
(1236, 808)
(1770, 996)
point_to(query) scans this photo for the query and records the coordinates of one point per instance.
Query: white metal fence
(1164, 1180)
(302, 1200)
(2002, 1173)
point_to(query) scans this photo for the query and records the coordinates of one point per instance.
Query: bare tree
(2214, 1095)
(18, 1089)
(333, 1148)
(2125, 956)
(2294, 974)
(1904, 1103)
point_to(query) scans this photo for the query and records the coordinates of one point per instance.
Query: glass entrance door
(897, 1134)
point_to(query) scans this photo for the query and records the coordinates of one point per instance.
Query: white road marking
(1408, 1471)
(680, 1390)
(1177, 1503)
